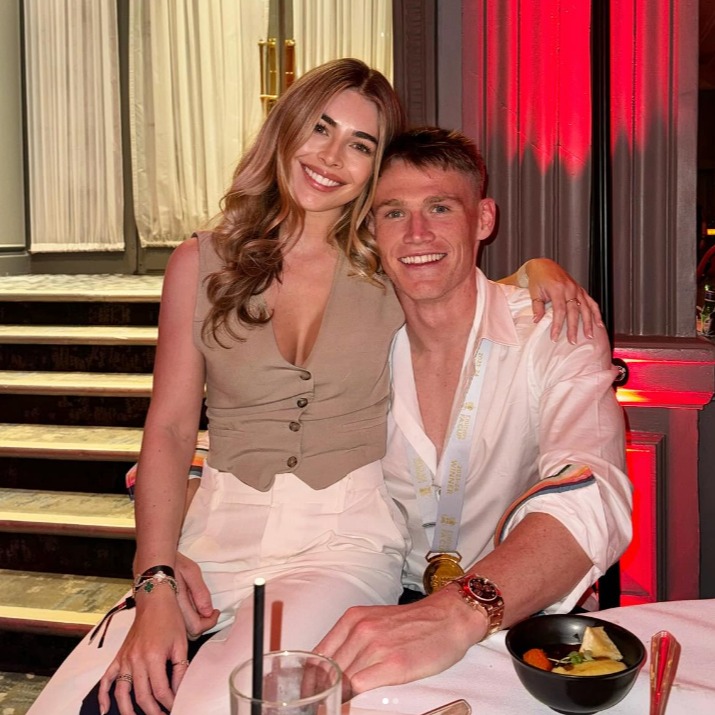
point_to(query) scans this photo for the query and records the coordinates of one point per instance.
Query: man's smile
(426, 258)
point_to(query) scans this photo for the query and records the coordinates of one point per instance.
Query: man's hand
(194, 598)
(389, 645)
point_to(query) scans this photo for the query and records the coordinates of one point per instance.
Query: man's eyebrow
(360, 135)
(387, 202)
(442, 197)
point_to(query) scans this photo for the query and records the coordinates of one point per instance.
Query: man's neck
(438, 335)
(440, 327)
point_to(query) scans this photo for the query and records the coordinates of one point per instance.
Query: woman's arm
(158, 633)
(548, 282)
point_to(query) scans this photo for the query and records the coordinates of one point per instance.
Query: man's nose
(419, 229)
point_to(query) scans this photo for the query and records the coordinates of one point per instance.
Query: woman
(281, 313)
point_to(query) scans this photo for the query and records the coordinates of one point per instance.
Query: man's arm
(537, 564)
(540, 561)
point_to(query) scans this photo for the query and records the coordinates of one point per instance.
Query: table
(486, 679)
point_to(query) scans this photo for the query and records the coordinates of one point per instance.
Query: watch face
(482, 589)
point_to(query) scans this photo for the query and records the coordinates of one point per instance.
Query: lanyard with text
(441, 516)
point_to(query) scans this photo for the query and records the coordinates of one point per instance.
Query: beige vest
(320, 421)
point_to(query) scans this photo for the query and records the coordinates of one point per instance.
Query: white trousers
(320, 551)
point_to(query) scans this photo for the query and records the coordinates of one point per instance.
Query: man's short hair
(425, 147)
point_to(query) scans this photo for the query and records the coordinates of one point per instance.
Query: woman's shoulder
(186, 254)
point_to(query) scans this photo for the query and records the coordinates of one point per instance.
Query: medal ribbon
(441, 507)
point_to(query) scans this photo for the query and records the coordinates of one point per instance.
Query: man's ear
(370, 223)
(487, 218)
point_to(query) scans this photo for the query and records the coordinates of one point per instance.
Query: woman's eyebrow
(360, 135)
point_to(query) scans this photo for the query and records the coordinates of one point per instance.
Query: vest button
(292, 461)
(302, 402)
(294, 426)
(305, 375)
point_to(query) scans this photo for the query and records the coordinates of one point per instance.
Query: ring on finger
(538, 300)
(127, 677)
(181, 662)
(574, 300)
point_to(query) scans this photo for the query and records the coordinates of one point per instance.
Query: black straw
(259, 586)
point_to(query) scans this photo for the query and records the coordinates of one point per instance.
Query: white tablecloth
(486, 679)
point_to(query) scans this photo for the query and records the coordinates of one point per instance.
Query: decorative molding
(674, 373)
(640, 564)
(671, 381)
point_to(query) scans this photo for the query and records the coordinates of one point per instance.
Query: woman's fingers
(105, 685)
(123, 693)
(178, 672)
(538, 305)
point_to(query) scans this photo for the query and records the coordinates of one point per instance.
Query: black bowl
(572, 693)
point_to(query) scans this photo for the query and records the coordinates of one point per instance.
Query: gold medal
(442, 568)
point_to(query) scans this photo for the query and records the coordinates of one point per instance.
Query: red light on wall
(543, 92)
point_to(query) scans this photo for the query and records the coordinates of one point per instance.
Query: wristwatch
(483, 595)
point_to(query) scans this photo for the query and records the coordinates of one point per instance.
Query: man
(505, 449)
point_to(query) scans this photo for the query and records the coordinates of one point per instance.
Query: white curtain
(73, 124)
(195, 93)
(328, 29)
(195, 105)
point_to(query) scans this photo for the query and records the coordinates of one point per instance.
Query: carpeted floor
(18, 691)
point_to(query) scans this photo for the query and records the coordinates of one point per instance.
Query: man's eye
(440, 209)
(393, 214)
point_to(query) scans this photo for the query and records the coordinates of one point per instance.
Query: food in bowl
(565, 693)
(597, 655)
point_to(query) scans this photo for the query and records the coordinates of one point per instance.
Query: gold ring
(181, 662)
(126, 677)
(538, 300)
(574, 300)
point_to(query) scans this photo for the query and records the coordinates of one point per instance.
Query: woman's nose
(331, 153)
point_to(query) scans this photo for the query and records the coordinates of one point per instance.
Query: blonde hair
(259, 214)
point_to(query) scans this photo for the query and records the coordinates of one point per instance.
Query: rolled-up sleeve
(581, 426)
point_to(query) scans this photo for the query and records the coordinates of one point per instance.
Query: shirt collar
(493, 319)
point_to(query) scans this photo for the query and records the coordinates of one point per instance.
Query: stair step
(91, 288)
(66, 513)
(70, 442)
(61, 604)
(15, 382)
(77, 335)
(18, 691)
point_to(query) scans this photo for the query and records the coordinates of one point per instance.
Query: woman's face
(335, 163)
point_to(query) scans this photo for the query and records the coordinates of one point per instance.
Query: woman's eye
(320, 128)
(364, 148)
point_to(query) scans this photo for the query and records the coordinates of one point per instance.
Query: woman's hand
(194, 596)
(548, 282)
(156, 636)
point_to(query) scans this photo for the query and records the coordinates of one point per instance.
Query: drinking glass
(294, 683)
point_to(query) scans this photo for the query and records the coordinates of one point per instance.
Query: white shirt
(544, 406)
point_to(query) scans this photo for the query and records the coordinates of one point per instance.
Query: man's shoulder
(513, 304)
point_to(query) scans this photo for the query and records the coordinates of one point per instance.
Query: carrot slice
(538, 659)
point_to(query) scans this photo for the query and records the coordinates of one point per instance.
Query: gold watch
(483, 595)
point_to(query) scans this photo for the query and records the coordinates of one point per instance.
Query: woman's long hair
(259, 214)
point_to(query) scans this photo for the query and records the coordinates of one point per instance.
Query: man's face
(428, 224)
